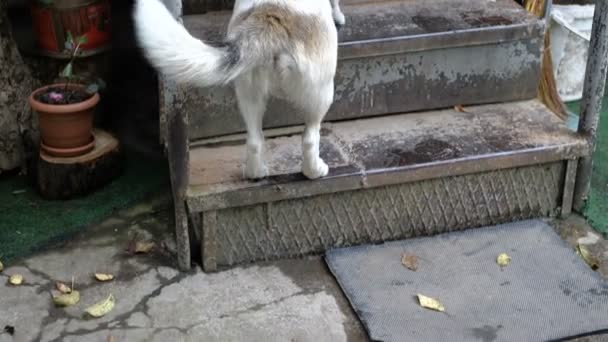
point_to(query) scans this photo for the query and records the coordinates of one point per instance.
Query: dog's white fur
(259, 61)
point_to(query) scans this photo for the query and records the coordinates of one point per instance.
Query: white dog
(282, 48)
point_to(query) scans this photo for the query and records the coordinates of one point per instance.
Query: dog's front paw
(339, 18)
(255, 170)
(318, 170)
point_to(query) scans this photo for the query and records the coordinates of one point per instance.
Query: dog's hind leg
(252, 94)
(313, 166)
(339, 18)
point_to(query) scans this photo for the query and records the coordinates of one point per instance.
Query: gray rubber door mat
(547, 292)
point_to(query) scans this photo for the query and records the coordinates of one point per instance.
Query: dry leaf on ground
(1, 266)
(410, 261)
(590, 259)
(111, 339)
(102, 308)
(503, 260)
(67, 299)
(144, 246)
(103, 276)
(63, 288)
(139, 246)
(430, 303)
(16, 279)
(460, 108)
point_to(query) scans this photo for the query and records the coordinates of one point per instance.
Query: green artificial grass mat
(596, 210)
(29, 223)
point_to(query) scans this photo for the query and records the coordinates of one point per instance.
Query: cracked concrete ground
(291, 300)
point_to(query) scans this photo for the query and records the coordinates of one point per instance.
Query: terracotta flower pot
(66, 130)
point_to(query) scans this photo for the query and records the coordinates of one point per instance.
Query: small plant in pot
(65, 110)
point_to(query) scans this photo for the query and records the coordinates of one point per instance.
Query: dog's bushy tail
(177, 54)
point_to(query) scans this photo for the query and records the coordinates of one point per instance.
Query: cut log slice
(65, 178)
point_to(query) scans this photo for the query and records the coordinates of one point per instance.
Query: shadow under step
(395, 57)
(391, 177)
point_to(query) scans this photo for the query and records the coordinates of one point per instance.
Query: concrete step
(391, 177)
(395, 57)
(204, 6)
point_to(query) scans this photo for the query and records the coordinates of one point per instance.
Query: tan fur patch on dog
(278, 24)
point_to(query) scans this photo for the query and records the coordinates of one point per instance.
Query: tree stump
(65, 178)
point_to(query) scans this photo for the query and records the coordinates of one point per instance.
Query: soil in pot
(61, 95)
(66, 119)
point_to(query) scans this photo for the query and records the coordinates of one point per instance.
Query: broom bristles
(548, 86)
(547, 89)
(536, 7)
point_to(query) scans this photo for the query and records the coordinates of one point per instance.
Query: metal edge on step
(568, 191)
(440, 40)
(278, 188)
(428, 41)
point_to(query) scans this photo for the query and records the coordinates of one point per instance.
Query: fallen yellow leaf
(1, 266)
(63, 288)
(103, 276)
(591, 260)
(144, 246)
(430, 303)
(460, 108)
(16, 279)
(410, 261)
(503, 260)
(67, 299)
(102, 308)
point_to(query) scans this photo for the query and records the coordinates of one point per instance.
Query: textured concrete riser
(311, 225)
(390, 84)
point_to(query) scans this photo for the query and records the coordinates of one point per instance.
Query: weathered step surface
(204, 6)
(391, 177)
(396, 56)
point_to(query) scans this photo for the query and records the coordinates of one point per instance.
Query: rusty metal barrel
(55, 20)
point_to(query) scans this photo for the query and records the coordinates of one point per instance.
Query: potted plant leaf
(65, 109)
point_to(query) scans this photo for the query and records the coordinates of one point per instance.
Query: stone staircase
(435, 128)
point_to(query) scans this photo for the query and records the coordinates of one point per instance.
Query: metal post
(593, 93)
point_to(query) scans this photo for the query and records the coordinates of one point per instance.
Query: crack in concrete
(253, 308)
(78, 333)
(60, 313)
(33, 272)
(261, 306)
(141, 306)
(24, 284)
